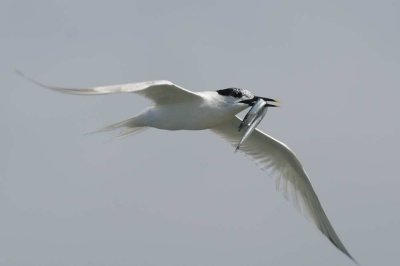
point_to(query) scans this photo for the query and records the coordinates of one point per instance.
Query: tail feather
(125, 127)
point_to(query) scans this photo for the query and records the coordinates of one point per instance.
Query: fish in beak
(254, 116)
(253, 101)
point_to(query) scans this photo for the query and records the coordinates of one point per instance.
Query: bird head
(244, 97)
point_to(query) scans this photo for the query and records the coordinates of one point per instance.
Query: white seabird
(175, 108)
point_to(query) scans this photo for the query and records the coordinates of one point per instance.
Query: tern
(176, 108)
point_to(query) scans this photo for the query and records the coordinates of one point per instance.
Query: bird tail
(125, 127)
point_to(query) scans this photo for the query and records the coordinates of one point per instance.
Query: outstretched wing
(158, 91)
(290, 176)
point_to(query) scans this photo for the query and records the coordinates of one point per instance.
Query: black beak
(252, 101)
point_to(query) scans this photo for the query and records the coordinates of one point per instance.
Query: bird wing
(291, 178)
(158, 91)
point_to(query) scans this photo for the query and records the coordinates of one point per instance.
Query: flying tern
(176, 108)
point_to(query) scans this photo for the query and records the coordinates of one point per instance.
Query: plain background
(185, 198)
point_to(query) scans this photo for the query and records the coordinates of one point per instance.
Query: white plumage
(176, 108)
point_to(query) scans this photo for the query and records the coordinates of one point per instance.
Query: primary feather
(281, 163)
(158, 91)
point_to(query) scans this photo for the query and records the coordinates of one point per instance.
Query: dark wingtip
(19, 73)
(22, 75)
(344, 251)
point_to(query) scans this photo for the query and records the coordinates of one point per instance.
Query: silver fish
(259, 116)
(251, 115)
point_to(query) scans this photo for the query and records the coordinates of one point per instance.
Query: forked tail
(125, 127)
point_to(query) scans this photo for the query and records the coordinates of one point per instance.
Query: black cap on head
(235, 92)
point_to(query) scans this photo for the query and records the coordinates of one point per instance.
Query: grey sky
(185, 198)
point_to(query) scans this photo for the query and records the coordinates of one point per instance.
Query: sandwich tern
(175, 108)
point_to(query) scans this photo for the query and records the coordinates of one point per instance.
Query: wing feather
(281, 163)
(158, 91)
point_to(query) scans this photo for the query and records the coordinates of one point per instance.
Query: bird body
(209, 111)
(175, 108)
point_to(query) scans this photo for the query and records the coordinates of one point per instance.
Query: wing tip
(22, 75)
(56, 88)
(19, 72)
(341, 247)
